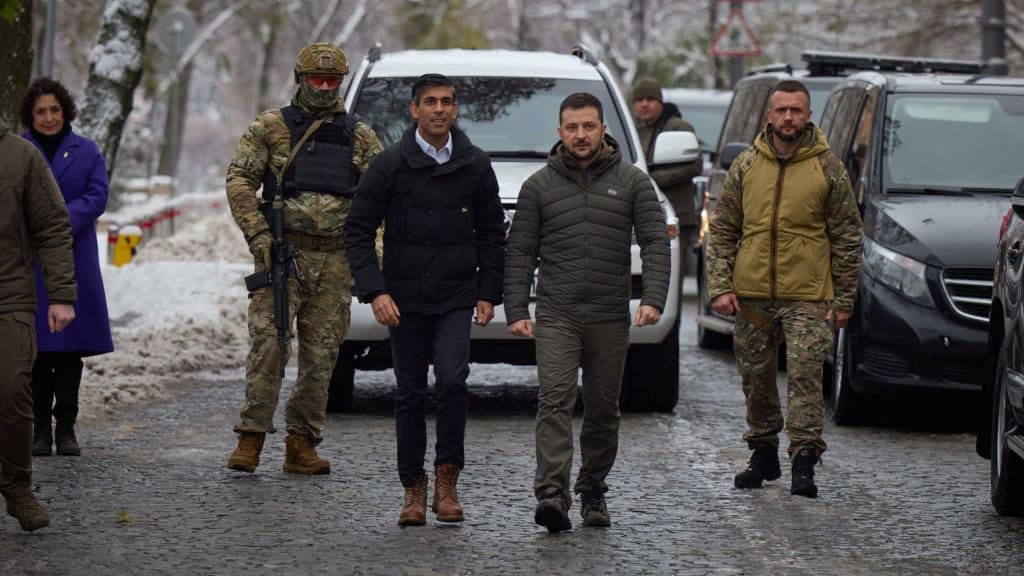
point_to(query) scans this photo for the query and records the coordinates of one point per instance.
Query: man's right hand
(727, 304)
(259, 247)
(59, 316)
(522, 328)
(385, 310)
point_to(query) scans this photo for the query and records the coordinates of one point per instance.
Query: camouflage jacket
(786, 230)
(267, 140)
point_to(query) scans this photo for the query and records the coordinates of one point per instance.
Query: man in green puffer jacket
(783, 254)
(573, 221)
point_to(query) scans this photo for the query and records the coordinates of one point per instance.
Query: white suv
(508, 106)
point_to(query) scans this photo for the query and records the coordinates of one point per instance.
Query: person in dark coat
(78, 166)
(444, 249)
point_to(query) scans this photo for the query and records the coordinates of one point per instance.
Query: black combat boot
(803, 473)
(763, 465)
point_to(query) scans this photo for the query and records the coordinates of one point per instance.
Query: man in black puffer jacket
(574, 219)
(444, 247)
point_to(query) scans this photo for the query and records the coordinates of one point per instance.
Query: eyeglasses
(317, 80)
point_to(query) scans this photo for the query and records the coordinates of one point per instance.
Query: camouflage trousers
(760, 328)
(318, 308)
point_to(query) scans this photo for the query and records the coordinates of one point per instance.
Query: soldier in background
(784, 254)
(33, 218)
(317, 188)
(652, 117)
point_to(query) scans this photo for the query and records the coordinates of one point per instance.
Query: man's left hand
(484, 313)
(837, 318)
(59, 316)
(646, 315)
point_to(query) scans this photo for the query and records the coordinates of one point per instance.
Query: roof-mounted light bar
(841, 63)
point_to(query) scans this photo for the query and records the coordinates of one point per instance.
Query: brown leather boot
(414, 512)
(446, 496)
(31, 515)
(300, 456)
(246, 456)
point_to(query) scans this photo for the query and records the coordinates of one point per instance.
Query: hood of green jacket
(813, 144)
(565, 163)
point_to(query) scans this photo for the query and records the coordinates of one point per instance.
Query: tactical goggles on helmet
(317, 80)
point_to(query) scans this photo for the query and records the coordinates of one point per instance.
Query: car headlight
(904, 275)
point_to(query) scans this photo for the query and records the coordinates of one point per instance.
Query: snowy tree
(16, 67)
(115, 68)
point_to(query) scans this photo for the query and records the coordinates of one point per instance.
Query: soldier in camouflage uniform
(317, 188)
(783, 255)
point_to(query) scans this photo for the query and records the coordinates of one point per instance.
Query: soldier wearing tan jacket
(783, 255)
(33, 222)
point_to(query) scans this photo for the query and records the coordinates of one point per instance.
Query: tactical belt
(315, 243)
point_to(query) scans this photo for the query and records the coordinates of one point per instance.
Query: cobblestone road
(151, 495)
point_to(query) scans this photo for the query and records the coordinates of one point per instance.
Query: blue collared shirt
(440, 155)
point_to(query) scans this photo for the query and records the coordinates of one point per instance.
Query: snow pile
(178, 309)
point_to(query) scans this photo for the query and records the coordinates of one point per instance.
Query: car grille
(969, 292)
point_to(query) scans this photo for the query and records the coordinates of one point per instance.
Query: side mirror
(729, 153)
(675, 148)
(1017, 199)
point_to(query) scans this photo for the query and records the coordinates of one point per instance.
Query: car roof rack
(842, 63)
(373, 55)
(776, 67)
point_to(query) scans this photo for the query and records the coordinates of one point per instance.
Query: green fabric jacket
(786, 230)
(33, 221)
(575, 224)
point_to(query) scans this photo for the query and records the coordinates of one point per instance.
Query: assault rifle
(282, 267)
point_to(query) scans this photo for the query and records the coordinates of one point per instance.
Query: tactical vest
(324, 164)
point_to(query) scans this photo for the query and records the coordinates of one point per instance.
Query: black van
(933, 158)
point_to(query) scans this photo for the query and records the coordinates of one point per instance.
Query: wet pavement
(151, 495)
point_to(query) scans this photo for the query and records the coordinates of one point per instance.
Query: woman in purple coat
(77, 165)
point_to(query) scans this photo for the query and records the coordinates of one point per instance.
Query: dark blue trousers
(417, 342)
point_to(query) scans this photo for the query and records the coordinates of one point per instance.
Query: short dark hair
(45, 85)
(430, 80)
(579, 100)
(791, 86)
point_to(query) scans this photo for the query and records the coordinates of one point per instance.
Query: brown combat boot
(30, 513)
(300, 456)
(414, 511)
(246, 456)
(446, 496)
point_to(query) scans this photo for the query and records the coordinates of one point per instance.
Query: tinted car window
(511, 117)
(707, 123)
(844, 114)
(934, 141)
(742, 127)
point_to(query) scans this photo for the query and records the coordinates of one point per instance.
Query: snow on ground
(177, 310)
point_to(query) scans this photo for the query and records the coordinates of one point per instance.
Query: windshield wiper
(932, 190)
(517, 154)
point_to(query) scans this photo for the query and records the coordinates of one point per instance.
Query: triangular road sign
(735, 38)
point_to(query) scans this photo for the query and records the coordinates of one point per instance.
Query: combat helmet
(320, 58)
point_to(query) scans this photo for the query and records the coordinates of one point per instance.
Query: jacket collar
(462, 150)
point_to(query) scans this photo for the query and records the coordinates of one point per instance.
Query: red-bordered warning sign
(735, 38)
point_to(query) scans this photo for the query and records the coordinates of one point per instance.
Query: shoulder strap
(279, 175)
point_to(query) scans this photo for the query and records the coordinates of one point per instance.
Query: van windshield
(506, 117)
(954, 142)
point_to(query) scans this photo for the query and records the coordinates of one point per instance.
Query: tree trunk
(115, 68)
(263, 101)
(174, 123)
(16, 66)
